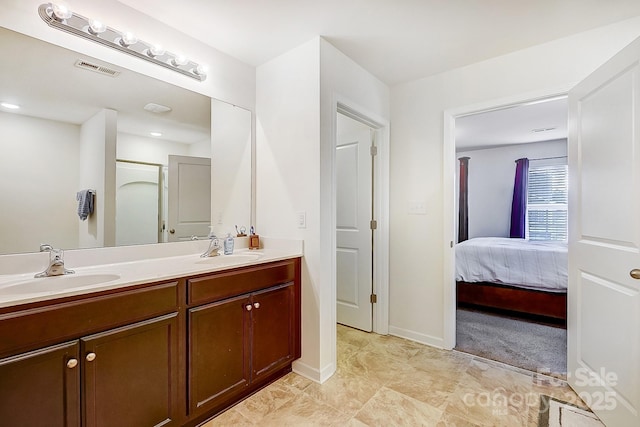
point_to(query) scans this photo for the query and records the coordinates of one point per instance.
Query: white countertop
(16, 289)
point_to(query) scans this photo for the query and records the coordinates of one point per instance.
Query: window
(547, 198)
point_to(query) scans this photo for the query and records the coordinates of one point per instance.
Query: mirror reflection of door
(138, 200)
(189, 197)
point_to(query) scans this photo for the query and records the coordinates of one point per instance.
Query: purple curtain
(463, 200)
(519, 204)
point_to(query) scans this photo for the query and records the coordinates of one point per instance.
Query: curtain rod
(549, 158)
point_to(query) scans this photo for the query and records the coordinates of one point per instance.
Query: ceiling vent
(157, 108)
(96, 68)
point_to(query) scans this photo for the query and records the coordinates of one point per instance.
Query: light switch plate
(417, 207)
(301, 219)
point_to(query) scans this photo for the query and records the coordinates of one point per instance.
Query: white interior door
(353, 215)
(189, 197)
(604, 245)
(137, 203)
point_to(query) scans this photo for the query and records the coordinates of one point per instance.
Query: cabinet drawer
(28, 329)
(227, 284)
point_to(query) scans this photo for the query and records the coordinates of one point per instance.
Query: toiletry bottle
(228, 244)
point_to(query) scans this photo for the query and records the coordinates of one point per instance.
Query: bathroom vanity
(170, 352)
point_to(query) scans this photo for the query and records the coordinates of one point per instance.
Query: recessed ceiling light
(9, 105)
(543, 130)
(155, 133)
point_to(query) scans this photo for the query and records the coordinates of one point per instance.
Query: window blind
(547, 198)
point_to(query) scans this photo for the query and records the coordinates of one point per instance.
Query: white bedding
(523, 263)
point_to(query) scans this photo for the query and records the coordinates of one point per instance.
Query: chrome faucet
(214, 247)
(56, 262)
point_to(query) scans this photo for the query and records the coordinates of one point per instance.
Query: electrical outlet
(301, 219)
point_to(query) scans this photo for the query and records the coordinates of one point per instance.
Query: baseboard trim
(317, 375)
(429, 340)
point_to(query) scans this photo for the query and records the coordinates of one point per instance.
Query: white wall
(417, 241)
(150, 150)
(288, 171)
(295, 107)
(36, 155)
(230, 167)
(97, 160)
(491, 176)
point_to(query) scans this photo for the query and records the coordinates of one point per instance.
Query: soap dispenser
(228, 244)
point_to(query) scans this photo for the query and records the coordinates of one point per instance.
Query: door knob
(72, 363)
(172, 231)
(91, 357)
(256, 304)
(635, 273)
(248, 307)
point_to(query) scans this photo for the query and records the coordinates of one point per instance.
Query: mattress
(529, 264)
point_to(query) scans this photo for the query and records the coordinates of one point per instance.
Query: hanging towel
(85, 203)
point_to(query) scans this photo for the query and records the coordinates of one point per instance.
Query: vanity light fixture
(62, 18)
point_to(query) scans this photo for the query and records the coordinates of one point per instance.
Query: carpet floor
(521, 343)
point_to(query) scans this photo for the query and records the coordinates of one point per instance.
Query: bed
(517, 275)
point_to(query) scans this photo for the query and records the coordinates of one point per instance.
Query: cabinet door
(218, 352)
(273, 345)
(41, 388)
(131, 375)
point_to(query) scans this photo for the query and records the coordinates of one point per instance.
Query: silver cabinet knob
(635, 273)
(172, 231)
(256, 304)
(72, 363)
(91, 357)
(248, 307)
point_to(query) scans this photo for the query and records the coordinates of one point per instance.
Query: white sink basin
(229, 259)
(56, 283)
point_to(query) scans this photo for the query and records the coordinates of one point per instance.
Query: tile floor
(389, 381)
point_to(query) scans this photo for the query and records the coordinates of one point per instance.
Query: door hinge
(373, 224)
(373, 150)
(373, 298)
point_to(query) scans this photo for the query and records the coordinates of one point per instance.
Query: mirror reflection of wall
(46, 158)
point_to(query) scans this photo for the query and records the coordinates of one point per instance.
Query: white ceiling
(396, 40)
(534, 122)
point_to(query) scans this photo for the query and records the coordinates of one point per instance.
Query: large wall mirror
(82, 125)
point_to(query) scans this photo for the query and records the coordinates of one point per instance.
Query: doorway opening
(510, 245)
(361, 194)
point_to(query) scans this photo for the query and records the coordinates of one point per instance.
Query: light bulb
(201, 70)
(96, 27)
(61, 12)
(128, 39)
(179, 60)
(155, 50)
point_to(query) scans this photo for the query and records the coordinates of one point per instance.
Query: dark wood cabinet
(219, 336)
(41, 388)
(130, 375)
(171, 353)
(237, 343)
(122, 377)
(273, 325)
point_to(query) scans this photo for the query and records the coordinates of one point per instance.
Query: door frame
(380, 280)
(449, 174)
